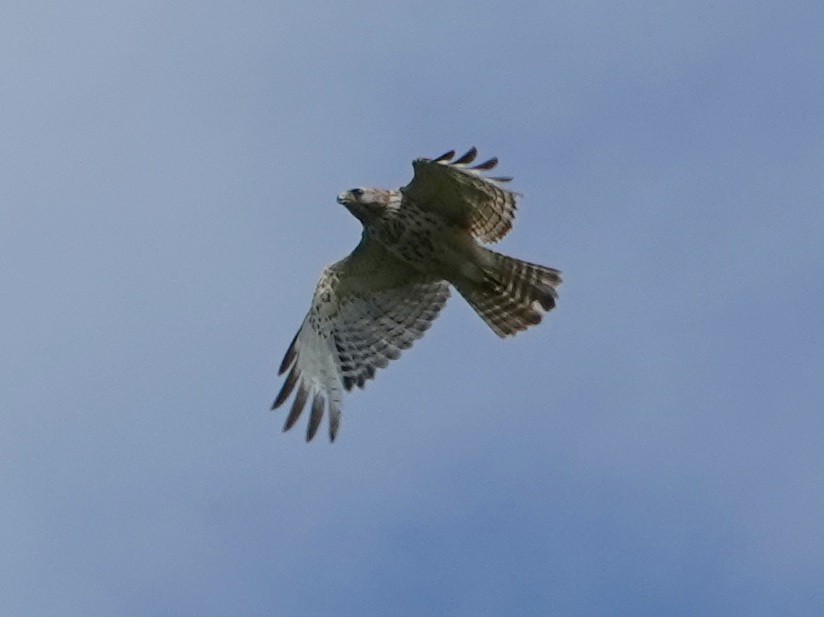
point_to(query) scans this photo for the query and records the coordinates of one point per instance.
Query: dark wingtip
(446, 156)
(289, 356)
(334, 424)
(315, 416)
(468, 157)
(288, 386)
(297, 407)
(487, 165)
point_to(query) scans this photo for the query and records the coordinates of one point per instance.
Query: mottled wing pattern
(366, 309)
(462, 194)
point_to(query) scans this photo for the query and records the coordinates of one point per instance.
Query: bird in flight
(416, 242)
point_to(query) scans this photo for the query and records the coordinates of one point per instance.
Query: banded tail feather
(514, 295)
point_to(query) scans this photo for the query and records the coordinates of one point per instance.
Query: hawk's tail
(514, 295)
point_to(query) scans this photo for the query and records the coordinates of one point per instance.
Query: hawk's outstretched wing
(366, 309)
(463, 195)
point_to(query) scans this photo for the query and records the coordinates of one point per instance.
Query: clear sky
(168, 174)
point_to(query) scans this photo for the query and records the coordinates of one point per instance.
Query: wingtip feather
(446, 156)
(486, 165)
(289, 356)
(297, 407)
(315, 416)
(467, 157)
(287, 388)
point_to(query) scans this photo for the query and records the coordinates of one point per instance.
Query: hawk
(416, 242)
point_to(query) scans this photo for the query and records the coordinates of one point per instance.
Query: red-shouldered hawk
(416, 242)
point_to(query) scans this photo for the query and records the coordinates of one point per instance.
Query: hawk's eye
(358, 193)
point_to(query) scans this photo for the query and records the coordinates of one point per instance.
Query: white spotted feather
(463, 194)
(366, 309)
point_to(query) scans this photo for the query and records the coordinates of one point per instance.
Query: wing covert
(462, 193)
(366, 309)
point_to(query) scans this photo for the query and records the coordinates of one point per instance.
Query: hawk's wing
(366, 309)
(463, 195)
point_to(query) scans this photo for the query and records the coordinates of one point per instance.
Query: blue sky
(168, 177)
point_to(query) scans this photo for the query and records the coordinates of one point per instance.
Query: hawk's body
(381, 298)
(419, 238)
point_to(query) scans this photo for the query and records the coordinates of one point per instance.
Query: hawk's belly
(429, 244)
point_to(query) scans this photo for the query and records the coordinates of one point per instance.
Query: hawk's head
(365, 204)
